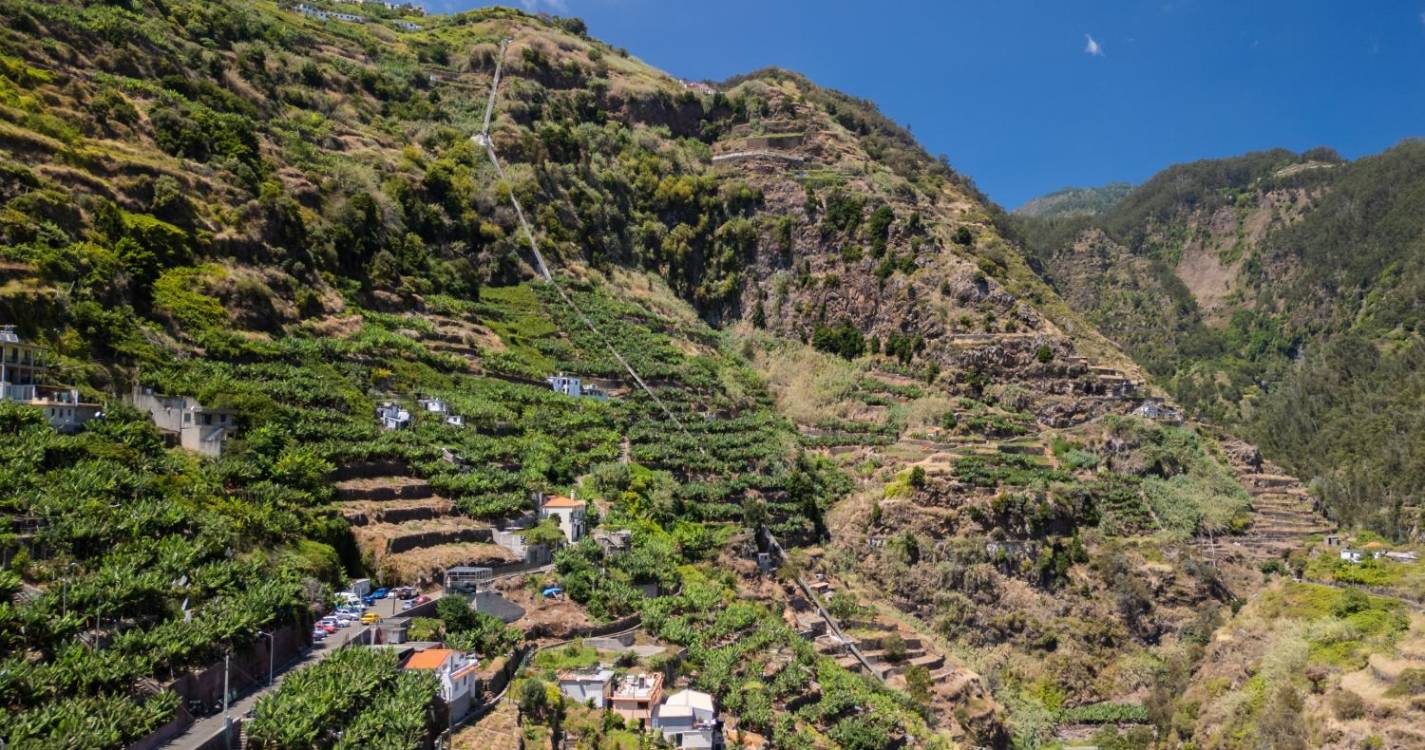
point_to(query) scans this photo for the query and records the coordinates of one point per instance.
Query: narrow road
(205, 729)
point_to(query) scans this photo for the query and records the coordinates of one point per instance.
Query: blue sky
(1027, 97)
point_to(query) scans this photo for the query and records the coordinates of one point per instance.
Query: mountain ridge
(281, 212)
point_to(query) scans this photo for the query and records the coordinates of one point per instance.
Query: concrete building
(1154, 408)
(393, 416)
(1351, 555)
(467, 578)
(688, 719)
(23, 372)
(63, 409)
(613, 541)
(636, 696)
(22, 367)
(593, 687)
(195, 427)
(572, 386)
(568, 512)
(456, 673)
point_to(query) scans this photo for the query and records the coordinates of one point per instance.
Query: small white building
(688, 719)
(63, 409)
(198, 428)
(1352, 555)
(568, 512)
(593, 687)
(456, 673)
(576, 387)
(1154, 408)
(393, 416)
(1402, 557)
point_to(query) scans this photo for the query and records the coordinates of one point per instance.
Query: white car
(318, 634)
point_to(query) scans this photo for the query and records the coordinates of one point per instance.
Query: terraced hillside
(1275, 294)
(284, 214)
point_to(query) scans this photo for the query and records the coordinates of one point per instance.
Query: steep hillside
(1291, 286)
(1076, 201)
(282, 212)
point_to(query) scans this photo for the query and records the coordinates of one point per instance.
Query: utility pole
(227, 717)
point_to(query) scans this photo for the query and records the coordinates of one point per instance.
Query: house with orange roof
(456, 673)
(567, 511)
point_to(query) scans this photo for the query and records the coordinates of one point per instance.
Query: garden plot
(381, 539)
(364, 512)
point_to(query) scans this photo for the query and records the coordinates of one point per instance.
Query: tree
(534, 698)
(843, 339)
(895, 647)
(917, 684)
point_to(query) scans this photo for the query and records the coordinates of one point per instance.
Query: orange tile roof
(560, 501)
(431, 658)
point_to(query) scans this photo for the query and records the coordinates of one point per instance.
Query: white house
(688, 719)
(1352, 555)
(393, 416)
(198, 428)
(22, 374)
(456, 673)
(568, 512)
(593, 687)
(63, 409)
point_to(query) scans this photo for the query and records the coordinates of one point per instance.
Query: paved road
(205, 729)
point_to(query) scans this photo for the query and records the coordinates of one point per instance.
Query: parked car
(407, 604)
(422, 599)
(369, 618)
(318, 634)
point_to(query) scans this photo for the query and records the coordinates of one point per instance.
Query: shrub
(1411, 682)
(843, 339)
(1347, 705)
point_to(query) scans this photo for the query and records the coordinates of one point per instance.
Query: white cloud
(557, 6)
(1093, 48)
(1422, 18)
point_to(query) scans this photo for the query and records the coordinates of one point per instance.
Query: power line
(483, 139)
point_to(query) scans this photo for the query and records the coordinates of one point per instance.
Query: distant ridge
(1076, 201)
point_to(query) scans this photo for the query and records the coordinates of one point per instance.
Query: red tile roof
(559, 501)
(431, 658)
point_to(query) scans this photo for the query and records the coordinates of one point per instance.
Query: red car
(328, 628)
(422, 599)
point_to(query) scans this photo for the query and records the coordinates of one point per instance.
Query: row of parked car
(351, 608)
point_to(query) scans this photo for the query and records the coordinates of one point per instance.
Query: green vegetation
(1317, 353)
(362, 691)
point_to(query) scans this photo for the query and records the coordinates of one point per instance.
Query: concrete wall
(248, 668)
